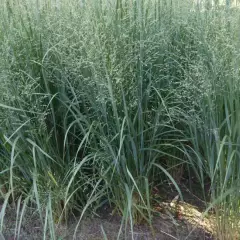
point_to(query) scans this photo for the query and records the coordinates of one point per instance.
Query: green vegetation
(101, 101)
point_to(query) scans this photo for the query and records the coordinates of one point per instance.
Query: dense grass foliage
(101, 101)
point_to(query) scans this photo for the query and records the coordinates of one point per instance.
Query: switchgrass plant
(217, 144)
(80, 121)
(215, 138)
(103, 100)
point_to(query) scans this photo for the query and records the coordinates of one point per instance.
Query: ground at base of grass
(165, 227)
(173, 220)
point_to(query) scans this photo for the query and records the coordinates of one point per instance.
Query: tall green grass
(101, 101)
